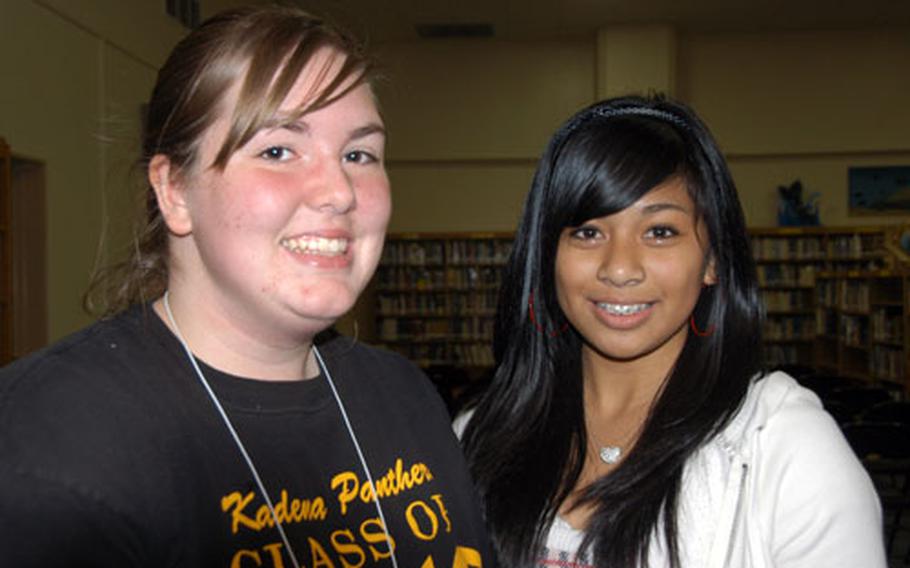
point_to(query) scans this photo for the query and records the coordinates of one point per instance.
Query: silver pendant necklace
(610, 454)
(246, 456)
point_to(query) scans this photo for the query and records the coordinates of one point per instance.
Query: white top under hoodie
(778, 487)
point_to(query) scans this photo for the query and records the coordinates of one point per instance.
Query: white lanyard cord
(249, 461)
(230, 427)
(363, 461)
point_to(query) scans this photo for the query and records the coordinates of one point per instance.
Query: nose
(330, 187)
(621, 263)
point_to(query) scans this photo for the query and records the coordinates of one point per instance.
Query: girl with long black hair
(629, 422)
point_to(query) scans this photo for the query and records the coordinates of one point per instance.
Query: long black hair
(526, 441)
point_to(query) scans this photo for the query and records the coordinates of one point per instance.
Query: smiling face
(287, 235)
(629, 281)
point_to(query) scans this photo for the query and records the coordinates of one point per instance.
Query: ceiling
(396, 20)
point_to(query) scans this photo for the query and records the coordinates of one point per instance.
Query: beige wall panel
(636, 60)
(128, 84)
(469, 197)
(758, 179)
(50, 111)
(209, 8)
(141, 27)
(801, 91)
(456, 100)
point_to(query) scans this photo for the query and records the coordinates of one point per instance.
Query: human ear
(170, 194)
(710, 276)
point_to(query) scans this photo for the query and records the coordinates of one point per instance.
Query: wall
(74, 74)
(807, 105)
(468, 119)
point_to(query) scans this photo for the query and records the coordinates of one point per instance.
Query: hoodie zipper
(731, 519)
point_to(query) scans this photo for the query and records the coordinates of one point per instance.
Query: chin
(328, 308)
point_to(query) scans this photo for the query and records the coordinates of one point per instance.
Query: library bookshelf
(861, 325)
(788, 261)
(436, 297)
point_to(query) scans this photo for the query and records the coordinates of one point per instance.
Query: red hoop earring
(706, 333)
(534, 319)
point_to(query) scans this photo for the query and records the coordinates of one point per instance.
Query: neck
(228, 346)
(613, 388)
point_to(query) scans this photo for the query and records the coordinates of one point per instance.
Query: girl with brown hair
(208, 420)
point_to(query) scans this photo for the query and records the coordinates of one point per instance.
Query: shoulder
(128, 329)
(776, 402)
(69, 410)
(793, 417)
(808, 488)
(87, 385)
(350, 354)
(106, 344)
(384, 387)
(782, 422)
(794, 428)
(374, 369)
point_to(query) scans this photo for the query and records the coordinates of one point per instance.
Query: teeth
(622, 309)
(316, 245)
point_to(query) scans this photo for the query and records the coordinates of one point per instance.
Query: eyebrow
(652, 208)
(367, 130)
(300, 126)
(282, 123)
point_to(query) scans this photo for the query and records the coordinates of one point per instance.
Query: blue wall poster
(879, 190)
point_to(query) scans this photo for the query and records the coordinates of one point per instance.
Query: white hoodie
(779, 487)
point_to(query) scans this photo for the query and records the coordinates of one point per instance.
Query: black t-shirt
(112, 454)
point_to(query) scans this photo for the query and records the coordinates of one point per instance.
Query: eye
(360, 157)
(277, 153)
(585, 233)
(661, 232)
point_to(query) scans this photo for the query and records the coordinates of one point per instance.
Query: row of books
(786, 300)
(790, 328)
(786, 275)
(884, 326)
(855, 245)
(782, 354)
(437, 303)
(413, 304)
(461, 355)
(449, 251)
(438, 278)
(418, 329)
(478, 251)
(845, 294)
(777, 248)
(413, 252)
(421, 278)
(804, 247)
